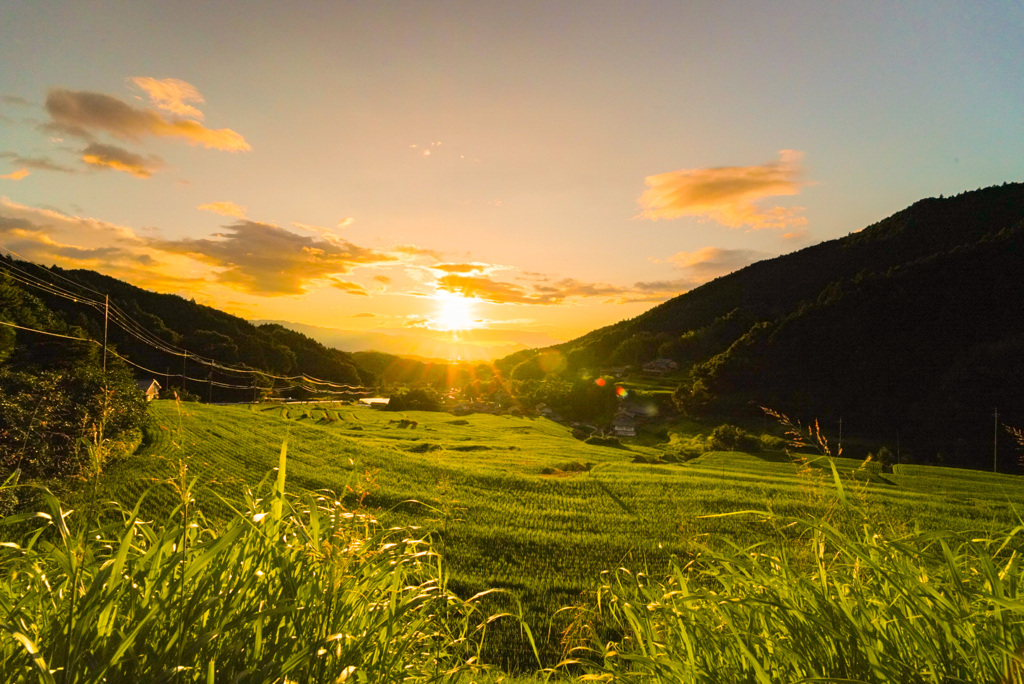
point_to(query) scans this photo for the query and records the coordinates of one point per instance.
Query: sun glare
(454, 312)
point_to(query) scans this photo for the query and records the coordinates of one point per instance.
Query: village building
(624, 424)
(151, 388)
(661, 366)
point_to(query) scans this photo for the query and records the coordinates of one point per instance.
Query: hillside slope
(910, 329)
(163, 324)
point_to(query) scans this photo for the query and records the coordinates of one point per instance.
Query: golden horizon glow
(454, 312)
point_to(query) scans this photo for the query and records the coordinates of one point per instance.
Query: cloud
(48, 236)
(265, 259)
(487, 290)
(476, 268)
(224, 209)
(81, 113)
(14, 100)
(171, 94)
(414, 251)
(365, 314)
(710, 262)
(16, 175)
(325, 233)
(499, 292)
(727, 194)
(37, 163)
(118, 159)
(349, 287)
(382, 279)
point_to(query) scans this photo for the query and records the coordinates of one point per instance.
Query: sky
(467, 178)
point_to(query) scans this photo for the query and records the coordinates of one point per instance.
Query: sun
(454, 312)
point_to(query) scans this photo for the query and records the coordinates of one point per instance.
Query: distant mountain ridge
(480, 344)
(912, 326)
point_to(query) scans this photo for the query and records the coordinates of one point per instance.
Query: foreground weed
(858, 600)
(937, 607)
(289, 589)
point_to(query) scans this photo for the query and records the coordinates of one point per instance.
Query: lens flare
(600, 382)
(621, 392)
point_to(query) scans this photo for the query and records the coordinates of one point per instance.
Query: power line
(313, 390)
(138, 331)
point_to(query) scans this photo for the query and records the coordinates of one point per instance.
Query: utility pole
(995, 441)
(840, 432)
(106, 317)
(209, 380)
(184, 365)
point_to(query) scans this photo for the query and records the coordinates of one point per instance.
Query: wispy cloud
(265, 259)
(83, 113)
(37, 163)
(118, 159)
(414, 251)
(171, 95)
(709, 263)
(328, 234)
(349, 287)
(545, 293)
(48, 236)
(471, 268)
(16, 175)
(14, 100)
(224, 209)
(727, 194)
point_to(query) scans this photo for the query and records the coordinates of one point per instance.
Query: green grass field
(520, 504)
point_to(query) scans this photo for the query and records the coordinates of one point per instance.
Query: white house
(151, 388)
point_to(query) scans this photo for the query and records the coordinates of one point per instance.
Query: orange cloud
(171, 94)
(79, 113)
(17, 175)
(349, 287)
(113, 157)
(473, 268)
(265, 259)
(499, 292)
(224, 209)
(727, 194)
(710, 262)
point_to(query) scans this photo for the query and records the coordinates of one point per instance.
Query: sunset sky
(531, 170)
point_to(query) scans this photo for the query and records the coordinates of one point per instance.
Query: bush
(49, 419)
(419, 399)
(731, 438)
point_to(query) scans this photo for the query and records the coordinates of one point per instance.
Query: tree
(50, 418)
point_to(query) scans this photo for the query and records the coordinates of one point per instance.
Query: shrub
(49, 419)
(731, 438)
(418, 399)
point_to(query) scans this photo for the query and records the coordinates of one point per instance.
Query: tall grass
(288, 590)
(846, 598)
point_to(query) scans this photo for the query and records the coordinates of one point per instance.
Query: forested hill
(161, 322)
(914, 325)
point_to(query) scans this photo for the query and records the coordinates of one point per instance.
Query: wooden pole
(995, 441)
(106, 318)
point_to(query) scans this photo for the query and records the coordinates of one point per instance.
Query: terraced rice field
(520, 504)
